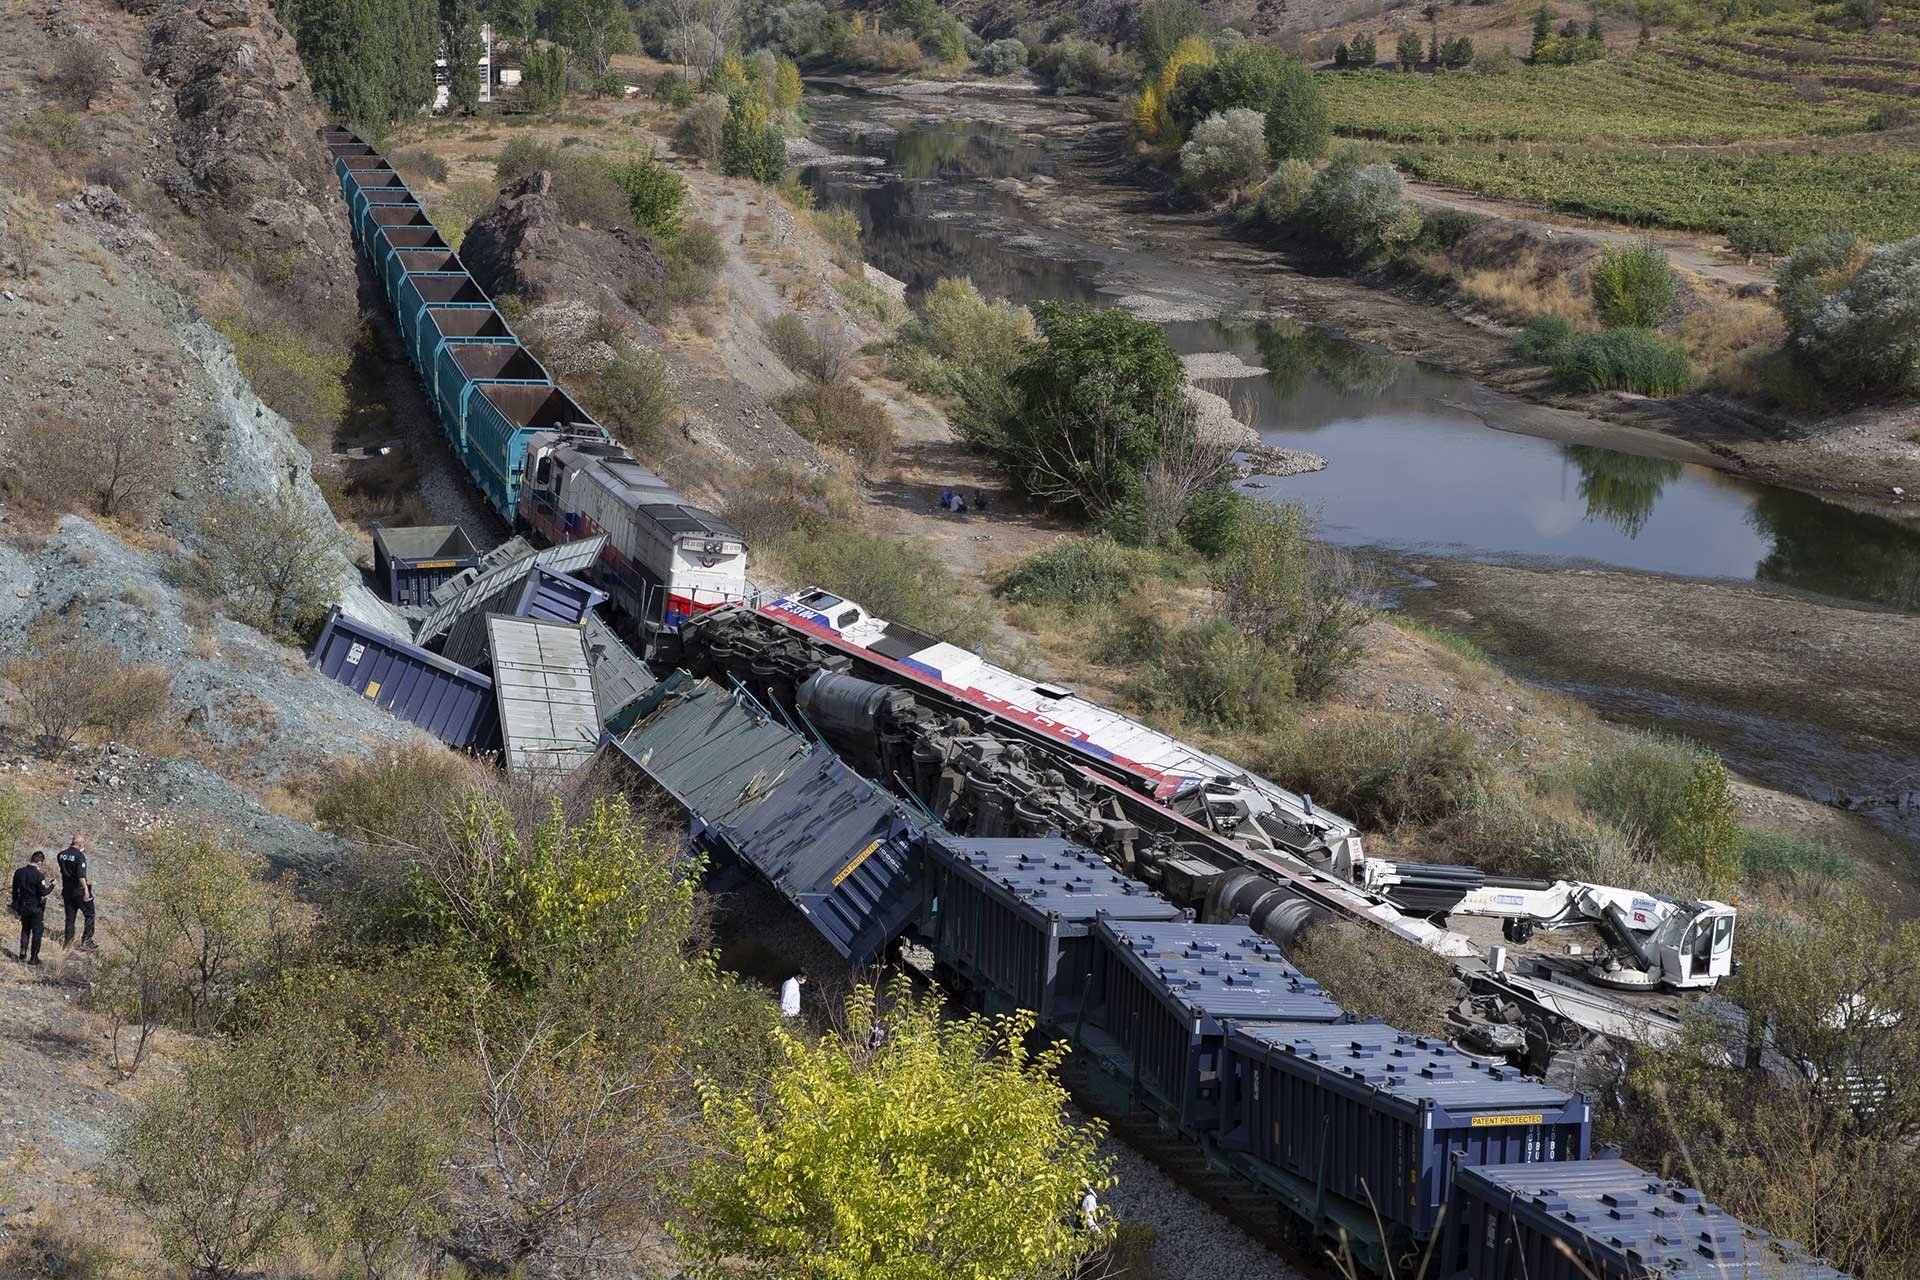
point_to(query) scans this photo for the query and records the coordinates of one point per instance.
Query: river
(1422, 465)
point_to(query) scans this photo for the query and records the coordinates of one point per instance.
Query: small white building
(442, 92)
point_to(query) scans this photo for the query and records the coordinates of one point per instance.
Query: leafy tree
(1226, 152)
(276, 567)
(1542, 27)
(1340, 56)
(1633, 285)
(370, 61)
(751, 145)
(654, 194)
(1086, 406)
(1457, 52)
(1364, 52)
(557, 898)
(1407, 51)
(543, 79)
(219, 1162)
(1293, 594)
(944, 1152)
(1705, 832)
(1433, 44)
(1297, 119)
(787, 87)
(594, 30)
(1162, 26)
(701, 130)
(1248, 75)
(1854, 313)
(460, 38)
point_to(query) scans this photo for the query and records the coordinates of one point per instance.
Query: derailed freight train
(1405, 1153)
(539, 457)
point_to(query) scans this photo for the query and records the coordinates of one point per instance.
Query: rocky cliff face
(522, 246)
(203, 132)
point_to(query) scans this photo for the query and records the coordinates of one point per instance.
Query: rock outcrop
(522, 246)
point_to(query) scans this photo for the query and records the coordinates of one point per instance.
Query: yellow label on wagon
(859, 858)
(1489, 1122)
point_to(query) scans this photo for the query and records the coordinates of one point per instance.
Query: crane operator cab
(1690, 946)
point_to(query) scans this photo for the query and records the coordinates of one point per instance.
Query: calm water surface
(1411, 466)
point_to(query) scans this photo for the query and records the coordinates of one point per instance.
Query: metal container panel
(452, 703)
(379, 250)
(450, 366)
(1381, 1118)
(837, 847)
(1607, 1220)
(537, 592)
(620, 680)
(1163, 994)
(417, 293)
(1015, 916)
(411, 563)
(549, 725)
(504, 563)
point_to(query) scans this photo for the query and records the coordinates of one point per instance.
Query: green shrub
(674, 90)
(1898, 116)
(1215, 520)
(1003, 58)
(1376, 977)
(1284, 193)
(1227, 151)
(837, 417)
(1854, 313)
(1516, 831)
(1779, 857)
(691, 259)
(1361, 209)
(957, 334)
(1633, 286)
(654, 193)
(793, 342)
(1299, 596)
(1546, 339)
(633, 397)
(1442, 229)
(416, 163)
(1637, 781)
(1752, 235)
(699, 131)
(751, 145)
(381, 799)
(893, 578)
(14, 817)
(1215, 674)
(840, 228)
(585, 188)
(1078, 574)
(1382, 769)
(1625, 360)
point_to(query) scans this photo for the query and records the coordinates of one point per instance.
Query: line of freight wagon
(545, 464)
(540, 459)
(1402, 1151)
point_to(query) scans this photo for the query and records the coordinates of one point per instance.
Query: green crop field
(1770, 122)
(1800, 192)
(1644, 98)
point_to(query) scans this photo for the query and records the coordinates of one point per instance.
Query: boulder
(522, 246)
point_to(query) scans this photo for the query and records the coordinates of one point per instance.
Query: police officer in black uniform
(76, 891)
(29, 902)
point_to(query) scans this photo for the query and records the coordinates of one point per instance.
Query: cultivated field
(1771, 130)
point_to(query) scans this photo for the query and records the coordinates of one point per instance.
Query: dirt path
(1701, 255)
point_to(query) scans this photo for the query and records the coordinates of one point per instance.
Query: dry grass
(1526, 289)
(1721, 337)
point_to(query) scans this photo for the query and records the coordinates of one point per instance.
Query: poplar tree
(460, 39)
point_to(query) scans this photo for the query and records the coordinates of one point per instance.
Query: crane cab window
(847, 619)
(1722, 934)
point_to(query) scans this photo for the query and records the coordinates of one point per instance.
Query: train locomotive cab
(665, 560)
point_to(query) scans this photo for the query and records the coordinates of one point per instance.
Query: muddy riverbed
(1629, 568)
